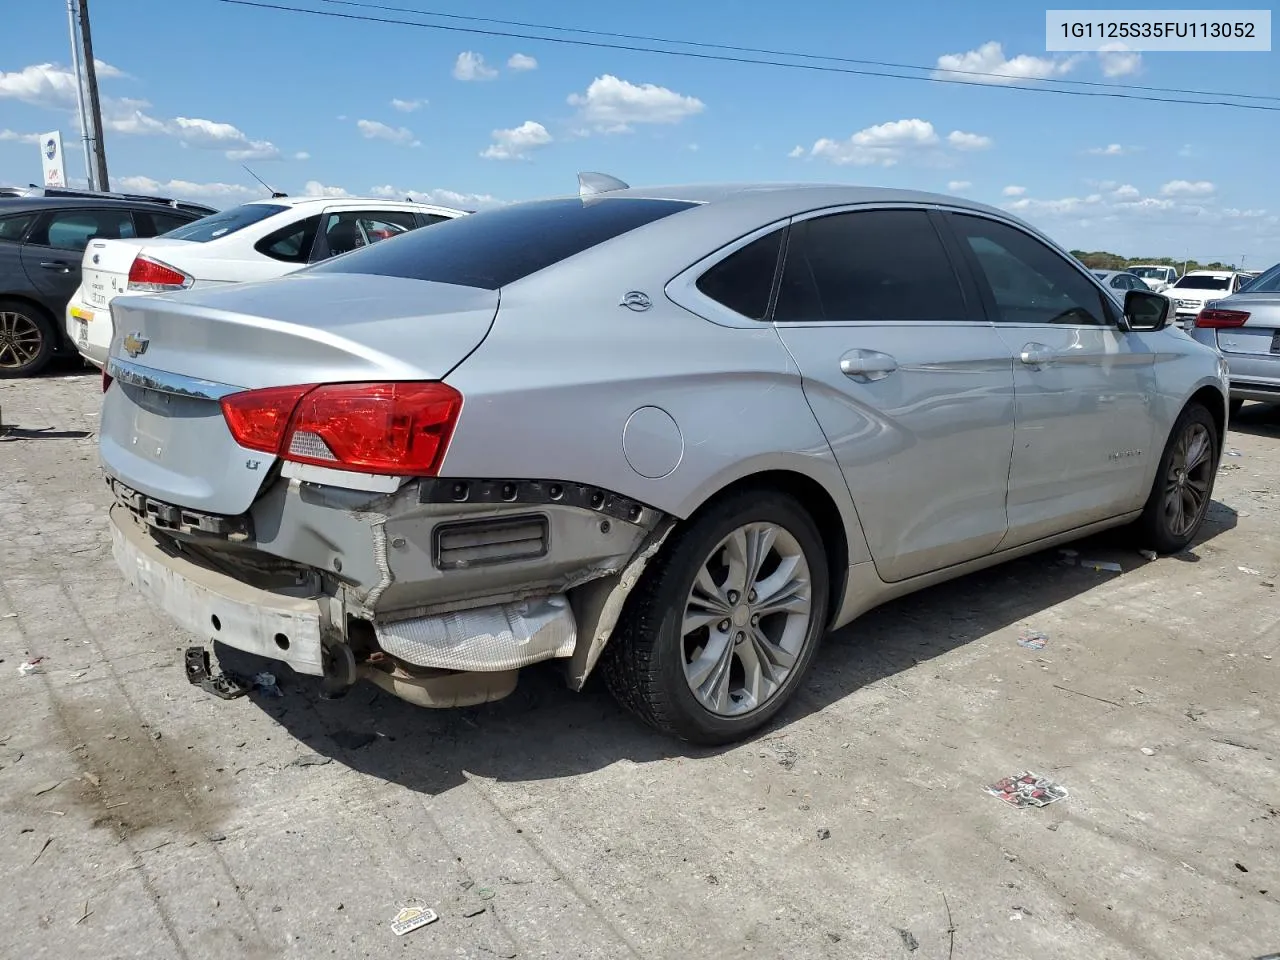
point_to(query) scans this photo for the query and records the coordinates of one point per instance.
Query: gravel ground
(143, 818)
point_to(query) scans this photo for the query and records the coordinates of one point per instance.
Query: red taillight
(1216, 319)
(152, 276)
(258, 418)
(391, 428)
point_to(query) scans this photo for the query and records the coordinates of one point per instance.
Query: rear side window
(218, 225)
(498, 247)
(291, 243)
(877, 265)
(743, 280)
(12, 228)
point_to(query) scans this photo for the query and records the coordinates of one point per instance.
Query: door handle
(60, 265)
(866, 366)
(1036, 354)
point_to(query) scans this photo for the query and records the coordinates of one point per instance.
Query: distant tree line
(1102, 260)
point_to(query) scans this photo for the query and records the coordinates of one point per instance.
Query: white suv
(1156, 276)
(1198, 287)
(261, 240)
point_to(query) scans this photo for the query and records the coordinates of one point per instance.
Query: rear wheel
(27, 339)
(722, 628)
(1183, 486)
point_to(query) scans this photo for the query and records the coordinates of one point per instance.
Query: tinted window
(152, 224)
(73, 229)
(351, 229)
(878, 265)
(1202, 283)
(1269, 282)
(12, 228)
(430, 218)
(1029, 282)
(498, 247)
(227, 222)
(743, 280)
(291, 243)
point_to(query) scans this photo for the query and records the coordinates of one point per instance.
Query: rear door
(52, 253)
(1085, 430)
(912, 386)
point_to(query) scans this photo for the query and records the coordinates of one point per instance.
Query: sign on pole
(55, 174)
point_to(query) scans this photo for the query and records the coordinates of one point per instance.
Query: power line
(702, 44)
(724, 58)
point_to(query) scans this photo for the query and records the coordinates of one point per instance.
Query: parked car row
(65, 254)
(674, 434)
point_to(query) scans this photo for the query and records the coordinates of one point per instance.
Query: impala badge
(635, 300)
(134, 344)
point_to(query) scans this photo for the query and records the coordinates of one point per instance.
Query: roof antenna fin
(275, 194)
(590, 184)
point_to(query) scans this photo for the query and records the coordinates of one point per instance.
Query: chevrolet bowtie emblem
(134, 345)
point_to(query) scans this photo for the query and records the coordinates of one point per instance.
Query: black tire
(1158, 526)
(1233, 407)
(644, 663)
(28, 339)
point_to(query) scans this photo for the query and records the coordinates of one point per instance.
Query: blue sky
(193, 89)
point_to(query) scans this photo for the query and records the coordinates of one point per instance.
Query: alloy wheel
(1187, 483)
(20, 340)
(746, 619)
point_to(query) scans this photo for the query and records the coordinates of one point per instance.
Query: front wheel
(722, 627)
(1183, 486)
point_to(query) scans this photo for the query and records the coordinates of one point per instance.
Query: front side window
(743, 280)
(218, 225)
(1029, 282)
(870, 266)
(497, 247)
(159, 222)
(72, 230)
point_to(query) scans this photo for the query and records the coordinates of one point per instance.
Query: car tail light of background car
(1217, 319)
(151, 276)
(389, 428)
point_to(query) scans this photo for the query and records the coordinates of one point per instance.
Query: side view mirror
(1144, 310)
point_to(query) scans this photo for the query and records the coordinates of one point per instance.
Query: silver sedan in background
(678, 432)
(1246, 328)
(1120, 281)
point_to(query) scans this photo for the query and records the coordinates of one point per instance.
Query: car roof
(380, 201)
(811, 195)
(33, 204)
(1210, 273)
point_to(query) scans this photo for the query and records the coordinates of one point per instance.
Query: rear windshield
(498, 247)
(228, 221)
(1203, 283)
(1269, 282)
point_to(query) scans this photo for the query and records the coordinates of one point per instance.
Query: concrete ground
(143, 818)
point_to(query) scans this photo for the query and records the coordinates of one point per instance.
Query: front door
(912, 386)
(1084, 426)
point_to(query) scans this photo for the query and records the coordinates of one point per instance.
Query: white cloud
(515, 144)
(1014, 191)
(373, 130)
(522, 61)
(445, 198)
(1111, 150)
(1126, 191)
(187, 189)
(955, 186)
(471, 66)
(302, 155)
(887, 144)
(15, 137)
(48, 85)
(1187, 188)
(1187, 150)
(612, 105)
(1118, 61)
(796, 151)
(314, 188)
(211, 134)
(990, 59)
(407, 106)
(968, 141)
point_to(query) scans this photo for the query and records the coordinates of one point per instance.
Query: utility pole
(75, 66)
(95, 108)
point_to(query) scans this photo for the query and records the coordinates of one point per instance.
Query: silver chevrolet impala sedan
(676, 434)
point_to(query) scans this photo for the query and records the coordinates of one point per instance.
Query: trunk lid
(105, 268)
(162, 430)
(1259, 333)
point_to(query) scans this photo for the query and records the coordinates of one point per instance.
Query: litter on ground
(1033, 639)
(1027, 789)
(413, 914)
(1102, 565)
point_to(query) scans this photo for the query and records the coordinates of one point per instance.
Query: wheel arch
(1211, 397)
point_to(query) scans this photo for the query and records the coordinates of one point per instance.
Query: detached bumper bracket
(198, 674)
